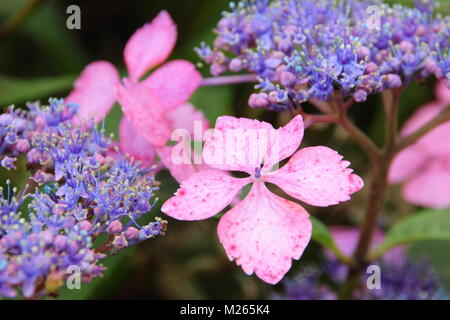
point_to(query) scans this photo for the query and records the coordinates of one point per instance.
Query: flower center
(257, 174)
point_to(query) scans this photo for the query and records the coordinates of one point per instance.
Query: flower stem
(225, 80)
(18, 18)
(377, 193)
(355, 133)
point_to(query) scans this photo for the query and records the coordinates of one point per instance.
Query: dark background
(40, 58)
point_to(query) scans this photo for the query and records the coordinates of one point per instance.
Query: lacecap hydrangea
(82, 200)
(304, 49)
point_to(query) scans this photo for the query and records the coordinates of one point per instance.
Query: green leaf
(322, 236)
(112, 121)
(425, 225)
(14, 90)
(436, 253)
(213, 101)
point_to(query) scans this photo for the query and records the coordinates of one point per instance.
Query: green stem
(15, 22)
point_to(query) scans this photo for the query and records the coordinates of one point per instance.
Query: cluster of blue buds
(400, 280)
(309, 49)
(83, 200)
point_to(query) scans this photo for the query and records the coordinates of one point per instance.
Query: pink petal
(421, 117)
(436, 141)
(443, 92)
(407, 163)
(174, 83)
(133, 144)
(241, 144)
(203, 195)
(150, 45)
(180, 171)
(317, 176)
(113, 151)
(264, 232)
(346, 239)
(94, 90)
(144, 112)
(237, 144)
(186, 117)
(286, 142)
(431, 187)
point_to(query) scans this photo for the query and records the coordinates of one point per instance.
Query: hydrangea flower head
(408, 280)
(82, 195)
(264, 231)
(150, 105)
(401, 277)
(309, 49)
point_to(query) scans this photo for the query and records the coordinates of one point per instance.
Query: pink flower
(263, 232)
(424, 167)
(346, 239)
(151, 105)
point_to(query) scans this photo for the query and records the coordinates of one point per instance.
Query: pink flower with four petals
(264, 231)
(154, 106)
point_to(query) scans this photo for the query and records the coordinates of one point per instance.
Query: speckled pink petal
(443, 92)
(238, 144)
(133, 144)
(317, 176)
(150, 45)
(180, 171)
(144, 112)
(286, 142)
(264, 232)
(203, 195)
(174, 83)
(407, 163)
(242, 144)
(186, 117)
(94, 91)
(430, 188)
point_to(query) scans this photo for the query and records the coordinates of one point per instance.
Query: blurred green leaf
(322, 236)
(14, 90)
(436, 253)
(111, 263)
(47, 28)
(425, 225)
(112, 121)
(8, 7)
(213, 101)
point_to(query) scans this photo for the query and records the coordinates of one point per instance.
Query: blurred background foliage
(40, 57)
